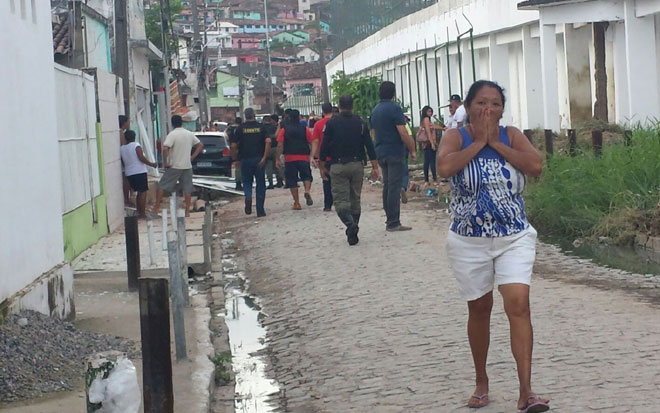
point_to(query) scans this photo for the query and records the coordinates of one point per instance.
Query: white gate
(75, 100)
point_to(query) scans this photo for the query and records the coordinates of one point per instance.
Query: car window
(213, 141)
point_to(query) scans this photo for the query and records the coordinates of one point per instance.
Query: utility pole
(164, 26)
(321, 46)
(201, 67)
(241, 106)
(270, 64)
(121, 51)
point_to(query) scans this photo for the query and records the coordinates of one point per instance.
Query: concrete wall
(543, 58)
(110, 105)
(84, 209)
(98, 44)
(31, 226)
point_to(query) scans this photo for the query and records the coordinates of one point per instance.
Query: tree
(363, 89)
(152, 24)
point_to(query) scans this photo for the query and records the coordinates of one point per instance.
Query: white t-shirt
(180, 141)
(459, 116)
(132, 164)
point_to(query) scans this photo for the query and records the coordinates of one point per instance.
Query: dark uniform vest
(295, 139)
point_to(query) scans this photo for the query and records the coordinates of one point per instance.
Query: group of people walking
(490, 241)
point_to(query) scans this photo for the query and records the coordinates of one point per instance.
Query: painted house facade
(541, 51)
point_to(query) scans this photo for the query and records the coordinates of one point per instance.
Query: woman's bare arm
(451, 158)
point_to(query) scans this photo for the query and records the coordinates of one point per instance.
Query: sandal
(535, 404)
(481, 401)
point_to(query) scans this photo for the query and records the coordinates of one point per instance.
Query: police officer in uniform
(250, 146)
(345, 138)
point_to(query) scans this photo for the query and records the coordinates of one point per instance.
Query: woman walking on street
(490, 241)
(426, 136)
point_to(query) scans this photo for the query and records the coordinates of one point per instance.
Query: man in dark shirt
(392, 139)
(270, 124)
(294, 140)
(250, 146)
(345, 138)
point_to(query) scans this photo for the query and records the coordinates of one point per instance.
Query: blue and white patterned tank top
(486, 195)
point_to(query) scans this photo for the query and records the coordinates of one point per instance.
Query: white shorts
(480, 264)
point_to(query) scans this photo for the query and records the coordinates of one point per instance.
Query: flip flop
(535, 404)
(482, 401)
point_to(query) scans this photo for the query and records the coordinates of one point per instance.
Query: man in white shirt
(458, 115)
(135, 170)
(178, 165)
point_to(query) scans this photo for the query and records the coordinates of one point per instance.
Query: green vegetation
(222, 363)
(152, 25)
(363, 89)
(614, 196)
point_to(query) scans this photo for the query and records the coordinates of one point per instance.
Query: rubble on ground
(39, 354)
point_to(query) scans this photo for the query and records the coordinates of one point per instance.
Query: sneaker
(308, 199)
(352, 235)
(270, 186)
(404, 196)
(296, 206)
(261, 214)
(327, 209)
(398, 228)
(248, 206)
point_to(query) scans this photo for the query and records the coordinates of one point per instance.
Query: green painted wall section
(80, 230)
(216, 96)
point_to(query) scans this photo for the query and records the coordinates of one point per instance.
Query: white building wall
(517, 35)
(30, 230)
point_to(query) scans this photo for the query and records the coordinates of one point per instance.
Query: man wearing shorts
(135, 169)
(178, 166)
(294, 140)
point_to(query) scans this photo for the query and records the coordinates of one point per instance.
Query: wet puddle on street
(247, 338)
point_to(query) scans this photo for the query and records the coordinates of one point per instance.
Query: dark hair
(346, 102)
(294, 116)
(423, 113)
(266, 119)
(326, 108)
(249, 114)
(387, 90)
(177, 122)
(275, 117)
(335, 109)
(238, 120)
(122, 119)
(480, 84)
(129, 135)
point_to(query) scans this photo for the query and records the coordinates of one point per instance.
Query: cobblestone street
(380, 327)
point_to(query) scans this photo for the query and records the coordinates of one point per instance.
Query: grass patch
(613, 196)
(222, 363)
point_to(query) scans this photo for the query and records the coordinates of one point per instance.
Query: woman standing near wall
(490, 241)
(426, 136)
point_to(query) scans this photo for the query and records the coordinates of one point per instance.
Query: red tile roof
(61, 40)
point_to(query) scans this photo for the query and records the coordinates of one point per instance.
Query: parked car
(215, 158)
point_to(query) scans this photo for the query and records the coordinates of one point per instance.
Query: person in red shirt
(294, 140)
(317, 135)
